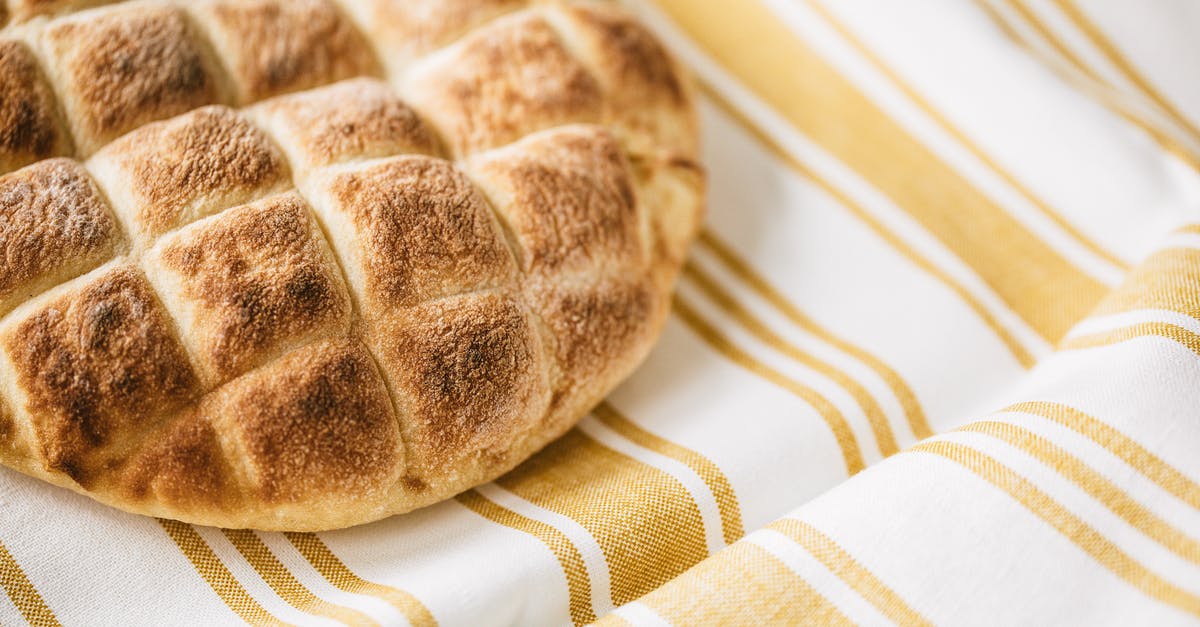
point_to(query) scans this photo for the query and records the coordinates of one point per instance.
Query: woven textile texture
(934, 359)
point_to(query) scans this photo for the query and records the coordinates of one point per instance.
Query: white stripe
(1104, 324)
(841, 177)
(1183, 240)
(589, 548)
(1108, 96)
(380, 610)
(1077, 42)
(254, 585)
(1155, 557)
(802, 339)
(640, 615)
(823, 580)
(705, 500)
(909, 116)
(772, 357)
(1136, 485)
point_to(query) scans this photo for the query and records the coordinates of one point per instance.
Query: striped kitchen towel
(935, 359)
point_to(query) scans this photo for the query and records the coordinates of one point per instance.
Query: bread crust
(300, 265)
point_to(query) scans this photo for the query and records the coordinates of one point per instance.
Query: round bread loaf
(304, 264)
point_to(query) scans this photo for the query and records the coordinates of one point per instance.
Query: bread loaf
(303, 264)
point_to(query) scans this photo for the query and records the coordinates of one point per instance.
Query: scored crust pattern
(302, 264)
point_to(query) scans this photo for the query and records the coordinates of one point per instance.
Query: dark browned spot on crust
(314, 424)
(424, 231)
(413, 484)
(209, 153)
(506, 80)
(470, 372)
(29, 127)
(277, 46)
(53, 225)
(357, 119)
(413, 28)
(97, 365)
(183, 467)
(127, 67)
(597, 328)
(568, 197)
(258, 276)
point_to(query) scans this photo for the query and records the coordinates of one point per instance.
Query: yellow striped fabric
(934, 358)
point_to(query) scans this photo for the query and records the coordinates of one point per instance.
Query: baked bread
(303, 264)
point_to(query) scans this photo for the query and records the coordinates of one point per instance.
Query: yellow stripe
(1123, 65)
(337, 573)
(742, 269)
(1091, 84)
(1137, 456)
(23, 594)
(717, 482)
(842, 432)
(1029, 15)
(880, 426)
(1062, 520)
(285, 584)
(1092, 482)
(1168, 279)
(855, 575)
(1042, 287)
(743, 585)
(1019, 352)
(644, 520)
(578, 584)
(1189, 340)
(216, 575)
(1042, 206)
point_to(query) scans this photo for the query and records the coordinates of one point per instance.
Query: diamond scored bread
(303, 264)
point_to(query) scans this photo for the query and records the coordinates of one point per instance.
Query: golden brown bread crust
(97, 365)
(405, 31)
(56, 227)
(278, 46)
(169, 173)
(416, 229)
(502, 83)
(355, 119)
(441, 231)
(249, 282)
(126, 67)
(30, 128)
